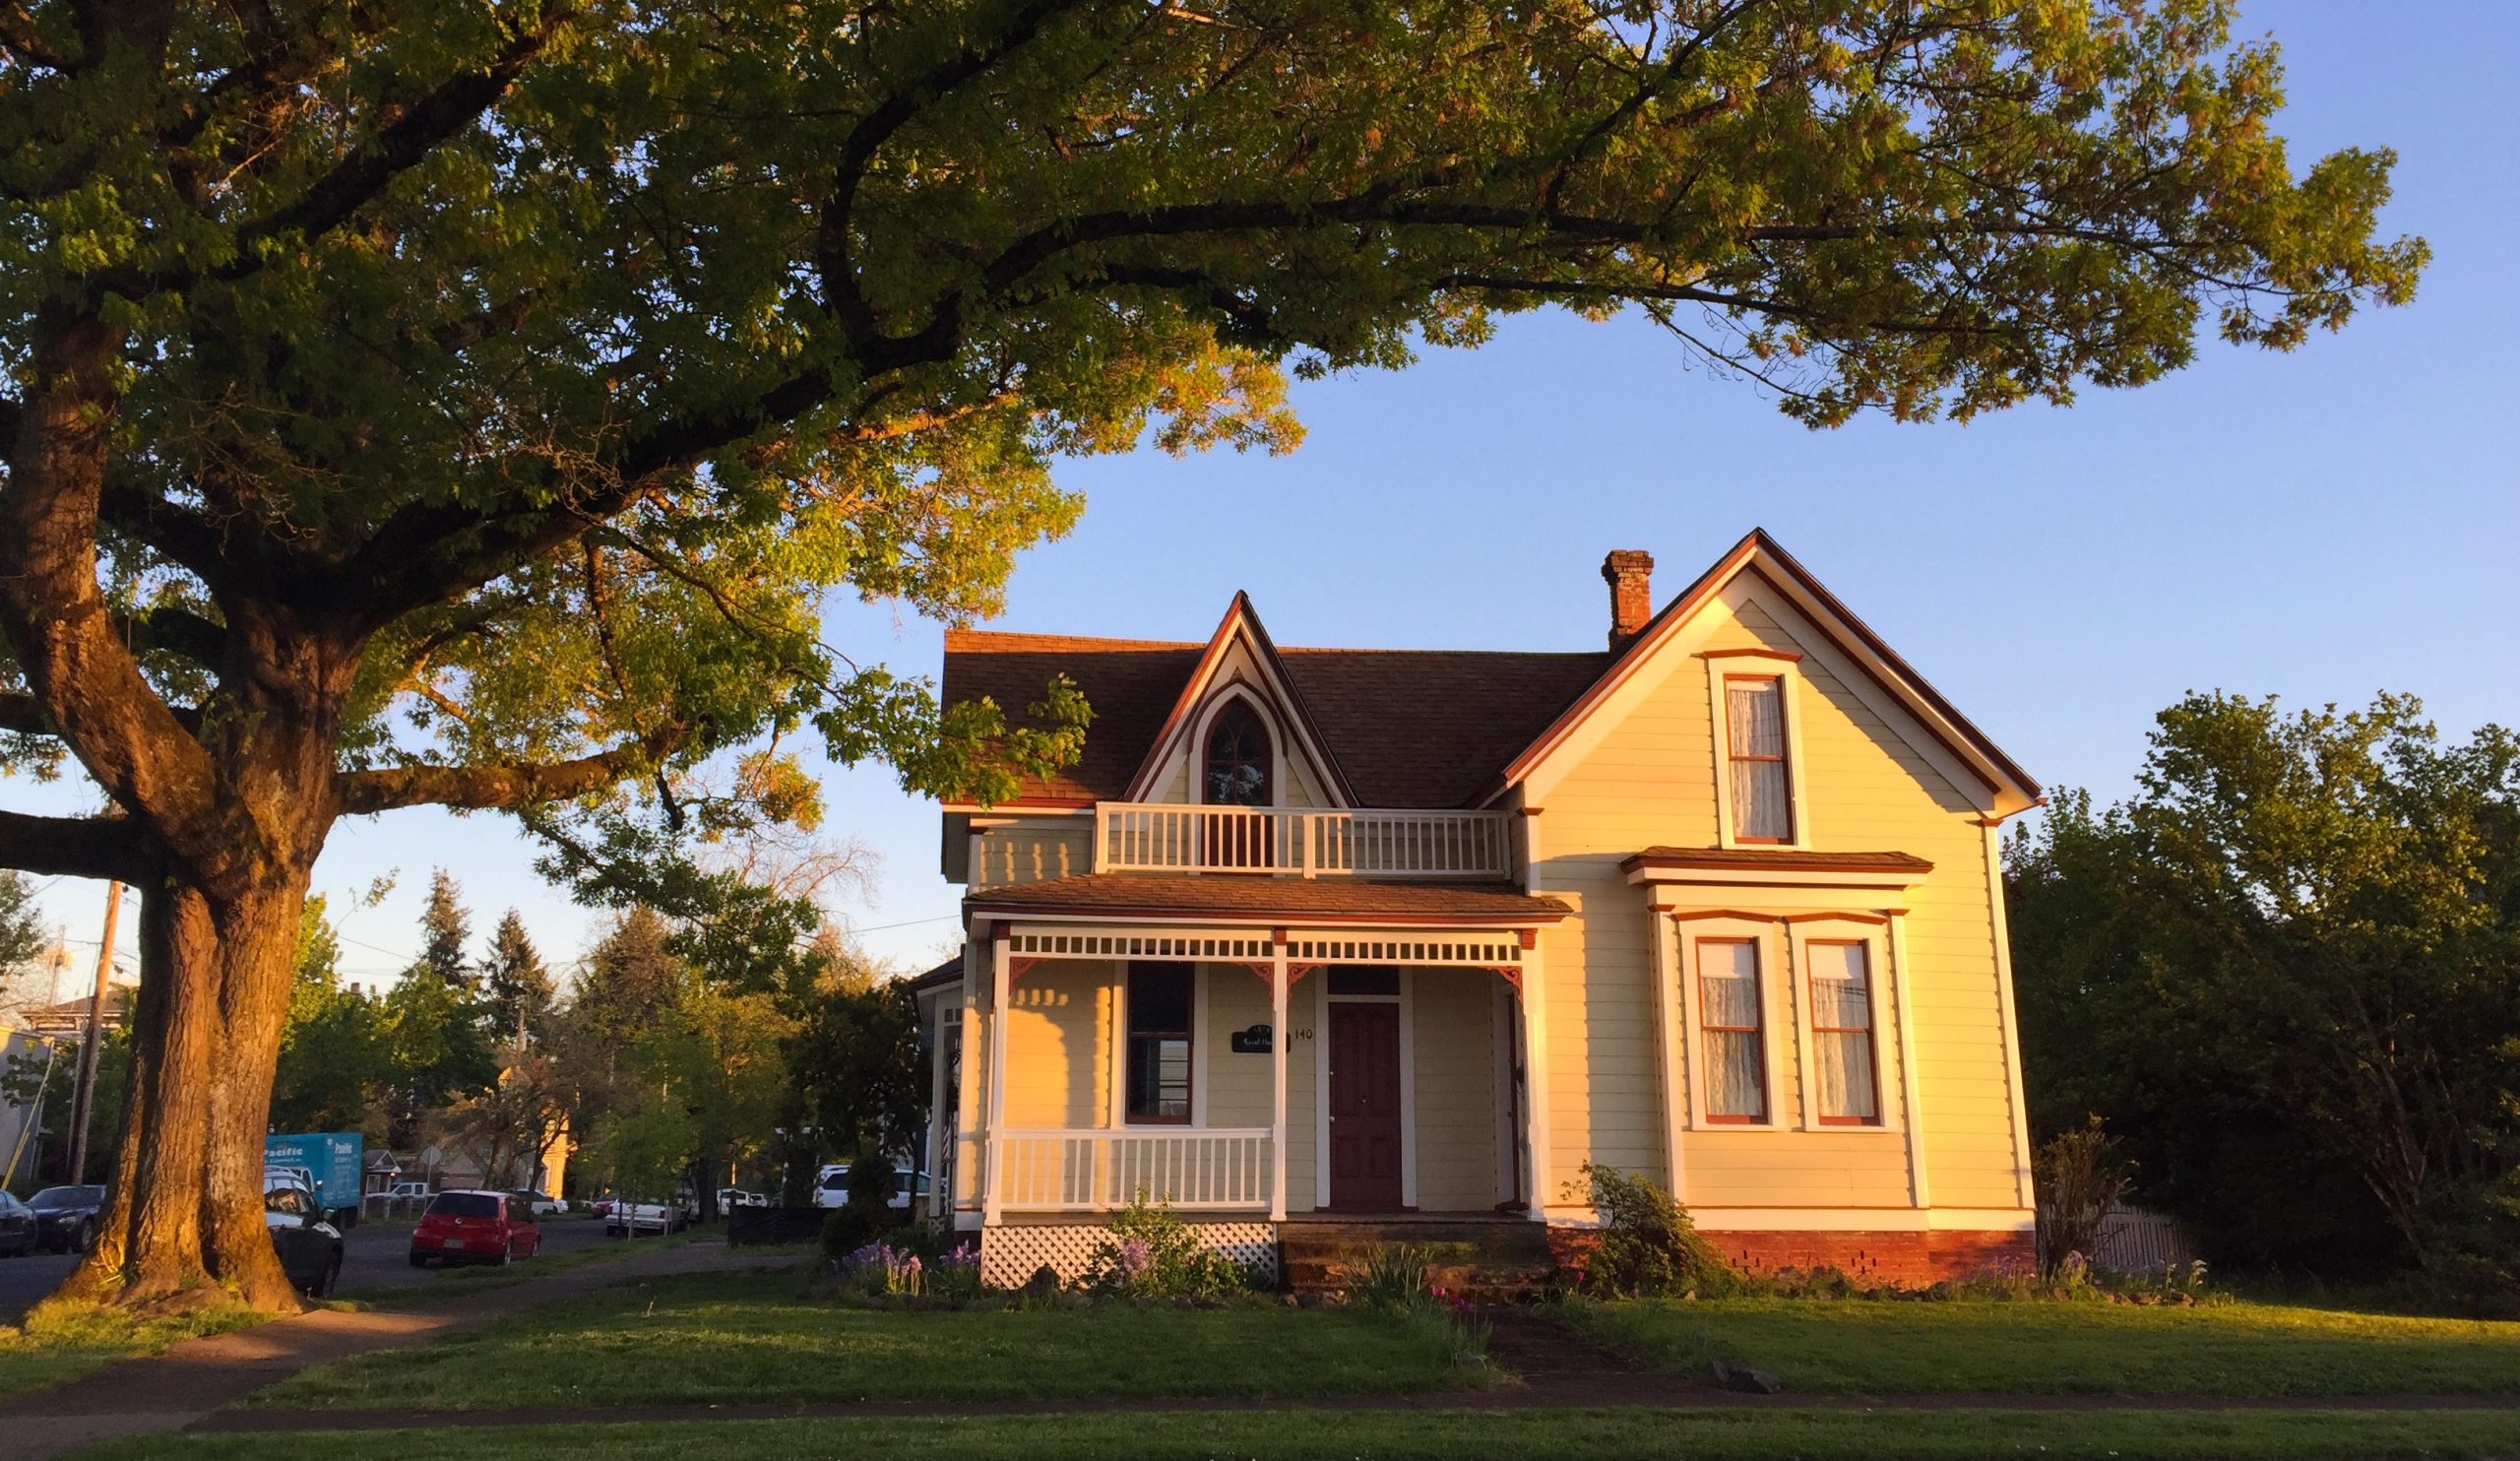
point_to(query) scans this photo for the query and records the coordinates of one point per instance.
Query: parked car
(407, 1192)
(602, 1207)
(472, 1226)
(66, 1218)
(830, 1188)
(627, 1218)
(730, 1198)
(309, 1247)
(17, 1227)
(542, 1204)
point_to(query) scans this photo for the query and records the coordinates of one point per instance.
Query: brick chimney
(1630, 574)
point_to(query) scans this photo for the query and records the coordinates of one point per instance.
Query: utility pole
(84, 1103)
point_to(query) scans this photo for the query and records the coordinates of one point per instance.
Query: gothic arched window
(1238, 760)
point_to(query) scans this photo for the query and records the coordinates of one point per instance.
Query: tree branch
(75, 847)
(455, 104)
(508, 787)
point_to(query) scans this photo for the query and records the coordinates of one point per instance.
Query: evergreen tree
(444, 927)
(518, 984)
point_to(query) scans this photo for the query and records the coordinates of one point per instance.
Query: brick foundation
(1895, 1260)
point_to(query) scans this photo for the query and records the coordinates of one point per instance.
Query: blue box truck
(331, 1160)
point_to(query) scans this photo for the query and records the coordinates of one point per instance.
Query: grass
(61, 1340)
(723, 1339)
(452, 1283)
(1884, 1347)
(1437, 1436)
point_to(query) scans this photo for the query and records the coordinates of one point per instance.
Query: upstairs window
(1237, 768)
(1762, 788)
(1728, 1005)
(1842, 1055)
(1160, 1043)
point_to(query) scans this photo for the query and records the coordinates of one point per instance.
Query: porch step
(1490, 1260)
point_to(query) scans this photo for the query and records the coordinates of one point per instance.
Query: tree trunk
(148, 1252)
(257, 946)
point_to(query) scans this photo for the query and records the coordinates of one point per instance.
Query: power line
(907, 923)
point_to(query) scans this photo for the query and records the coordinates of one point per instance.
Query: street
(374, 1255)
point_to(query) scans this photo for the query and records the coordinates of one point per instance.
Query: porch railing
(1174, 837)
(1096, 1171)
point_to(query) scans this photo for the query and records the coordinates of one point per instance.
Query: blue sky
(2321, 524)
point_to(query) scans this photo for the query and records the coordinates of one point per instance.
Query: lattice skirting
(1012, 1254)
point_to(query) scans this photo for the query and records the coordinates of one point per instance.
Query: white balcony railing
(1173, 836)
(1096, 1171)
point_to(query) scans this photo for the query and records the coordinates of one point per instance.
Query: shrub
(1150, 1254)
(1396, 1275)
(2080, 1178)
(868, 1215)
(1648, 1245)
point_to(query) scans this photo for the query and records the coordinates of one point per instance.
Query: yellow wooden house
(1406, 937)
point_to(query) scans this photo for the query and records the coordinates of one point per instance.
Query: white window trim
(1692, 931)
(1788, 673)
(1874, 935)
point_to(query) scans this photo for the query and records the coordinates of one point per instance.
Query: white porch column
(1536, 1078)
(937, 1133)
(1001, 980)
(1666, 1033)
(1277, 1002)
(1535, 992)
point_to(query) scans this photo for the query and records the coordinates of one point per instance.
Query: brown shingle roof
(1339, 900)
(1410, 728)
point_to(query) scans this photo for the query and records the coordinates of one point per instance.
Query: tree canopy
(473, 404)
(2286, 971)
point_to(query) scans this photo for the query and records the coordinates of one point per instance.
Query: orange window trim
(1870, 1038)
(1785, 742)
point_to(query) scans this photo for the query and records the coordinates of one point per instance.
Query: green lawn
(453, 1281)
(718, 1338)
(1879, 1347)
(61, 1342)
(1437, 1436)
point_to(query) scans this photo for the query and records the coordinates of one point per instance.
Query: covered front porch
(1244, 1073)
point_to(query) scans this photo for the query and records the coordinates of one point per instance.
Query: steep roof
(1425, 727)
(1410, 728)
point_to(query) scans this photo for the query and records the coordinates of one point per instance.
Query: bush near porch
(706, 1339)
(2030, 1345)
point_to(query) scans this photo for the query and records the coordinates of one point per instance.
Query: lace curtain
(1756, 709)
(1842, 1032)
(1729, 1017)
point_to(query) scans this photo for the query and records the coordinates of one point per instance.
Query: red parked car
(463, 1227)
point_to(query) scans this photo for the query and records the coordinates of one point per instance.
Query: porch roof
(1312, 901)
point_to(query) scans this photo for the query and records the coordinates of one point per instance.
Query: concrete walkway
(187, 1381)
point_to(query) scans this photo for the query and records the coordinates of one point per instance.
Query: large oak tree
(470, 401)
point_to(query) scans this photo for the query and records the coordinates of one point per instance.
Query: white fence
(1098, 1170)
(1171, 837)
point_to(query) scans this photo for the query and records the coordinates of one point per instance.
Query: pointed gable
(1759, 571)
(1241, 661)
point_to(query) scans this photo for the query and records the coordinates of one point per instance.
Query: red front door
(1364, 1108)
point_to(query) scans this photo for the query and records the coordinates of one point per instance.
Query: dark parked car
(17, 1227)
(310, 1249)
(66, 1218)
(476, 1227)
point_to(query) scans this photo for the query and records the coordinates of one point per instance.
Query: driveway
(373, 1255)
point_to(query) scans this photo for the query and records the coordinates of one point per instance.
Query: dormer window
(1760, 798)
(1239, 761)
(1762, 786)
